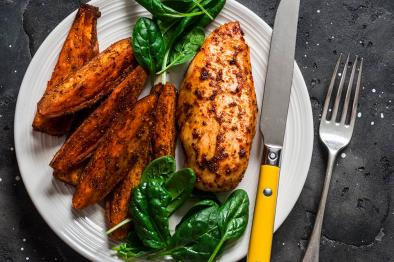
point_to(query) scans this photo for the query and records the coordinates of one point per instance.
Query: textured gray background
(359, 220)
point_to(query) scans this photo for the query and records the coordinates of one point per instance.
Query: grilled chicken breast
(217, 110)
(80, 47)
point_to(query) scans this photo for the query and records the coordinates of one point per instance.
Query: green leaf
(199, 206)
(234, 215)
(132, 248)
(186, 48)
(161, 10)
(149, 213)
(148, 44)
(158, 8)
(159, 168)
(180, 185)
(173, 30)
(153, 202)
(200, 195)
(182, 6)
(205, 11)
(213, 7)
(196, 237)
(233, 218)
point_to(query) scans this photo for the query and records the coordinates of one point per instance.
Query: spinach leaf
(199, 195)
(150, 215)
(186, 48)
(159, 168)
(233, 218)
(132, 248)
(180, 185)
(172, 30)
(161, 193)
(234, 215)
(126, 251)
(213, 7)
(180, 5)
(196, 237)
(161, 10)
(203, 204)
(148, 44)
(170, 35)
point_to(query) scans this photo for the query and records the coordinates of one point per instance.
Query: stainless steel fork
(335, 132)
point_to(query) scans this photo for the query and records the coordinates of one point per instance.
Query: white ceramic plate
(84, 230)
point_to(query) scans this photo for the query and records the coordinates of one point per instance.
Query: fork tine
(356, 94)
(339, 92)
(330, 88)
(348, 92)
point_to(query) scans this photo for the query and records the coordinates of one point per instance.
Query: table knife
(273, 119)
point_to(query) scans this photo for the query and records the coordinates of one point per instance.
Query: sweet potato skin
(117, 204)
(71, 176)
(164, 131)
(116, 154)
(82, 143)
(90, 83)
(80, 47)
(162, 138)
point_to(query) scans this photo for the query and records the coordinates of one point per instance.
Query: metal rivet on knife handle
(267, 192)
(272, 156)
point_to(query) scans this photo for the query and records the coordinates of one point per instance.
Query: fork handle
(312, 251)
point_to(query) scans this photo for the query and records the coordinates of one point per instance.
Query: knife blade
(273, 119)
(279, 74)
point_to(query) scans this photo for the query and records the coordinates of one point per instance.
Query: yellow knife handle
(264, 215)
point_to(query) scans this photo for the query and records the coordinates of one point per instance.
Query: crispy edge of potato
(72, 176)
(156, 89)
(164, 130)
(84, 140)
(83, 32)
(117, 204)
(88, 84)
(52, 126)
(115, 155)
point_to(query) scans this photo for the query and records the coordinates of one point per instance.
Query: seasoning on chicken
(217, 110)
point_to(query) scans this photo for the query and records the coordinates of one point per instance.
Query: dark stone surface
(359, 219)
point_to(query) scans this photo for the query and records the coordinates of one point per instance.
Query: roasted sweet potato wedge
(82, 143)
(71, 176)
(163, 140)
(156, 89)
(80, 47)
(117, 204)
(164, 131)
(116, 154)
(90, 83)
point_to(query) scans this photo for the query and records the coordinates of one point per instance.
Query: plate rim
(85, 252)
